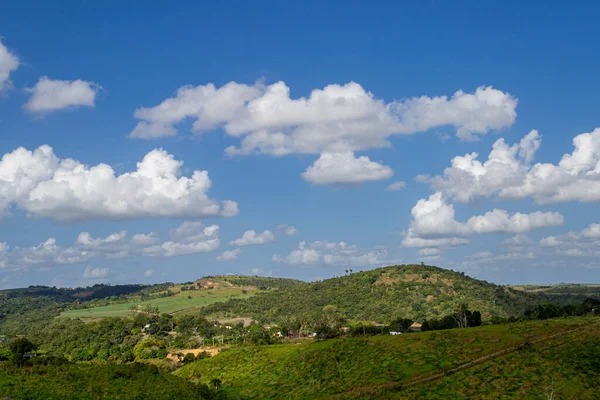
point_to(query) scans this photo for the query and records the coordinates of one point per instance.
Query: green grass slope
(407, 291)
(93, 381)
(366, 367)
(180, 301)
(222, 288)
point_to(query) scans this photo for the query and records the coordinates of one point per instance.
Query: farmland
(181, 300)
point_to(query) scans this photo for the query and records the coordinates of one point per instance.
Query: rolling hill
(514, 360)
(404, 291)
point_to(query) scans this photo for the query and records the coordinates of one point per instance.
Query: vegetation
(371, 365)
(67, 381)
(417, 292)
(123, 346)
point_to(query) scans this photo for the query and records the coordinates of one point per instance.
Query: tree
(18, 348)
(215, 383)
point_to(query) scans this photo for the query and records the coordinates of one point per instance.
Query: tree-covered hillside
(405, 291)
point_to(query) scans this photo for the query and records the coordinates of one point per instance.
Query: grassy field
(172, 304)
(369, 367)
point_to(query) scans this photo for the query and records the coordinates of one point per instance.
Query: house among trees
(394, 333)
(415, 327)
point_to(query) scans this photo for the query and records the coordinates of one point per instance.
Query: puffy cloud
(434, 223)
(396, 186)
(433, 217)
(331, 253)
(51, 95)
(334, 122)
(289, 230)
(229, 255)
(501, 221)
(251, 237)
(198, 239)
(337, 118)
(509, 174)
(585, 243)
(66, 190)
(8, 63)
(95, 273)
(345, 169)
(148, 273)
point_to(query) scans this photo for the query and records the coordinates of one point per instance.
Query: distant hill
(407, 291)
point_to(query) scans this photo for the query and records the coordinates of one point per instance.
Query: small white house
(394, 333)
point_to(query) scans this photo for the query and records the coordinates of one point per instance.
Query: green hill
(380, 295)
(560, 352)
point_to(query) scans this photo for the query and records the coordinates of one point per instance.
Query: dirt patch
(233, 321)
(210, 351)
(430, 298)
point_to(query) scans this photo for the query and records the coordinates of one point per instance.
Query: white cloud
(429, 251)
(148, 273)
(585, 243)
(66, 190)
(95, 273)
(289, 230)
(189, 238)
(8, 63)
(501, 221)
(337, 118)
(52, 95)
(116, 245)
(509, 174)
(229, 255)
(345, 169)
(433, 219)
(396, 186)
(331, 253)
(251, 238)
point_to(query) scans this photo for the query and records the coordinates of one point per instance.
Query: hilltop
(404, 291)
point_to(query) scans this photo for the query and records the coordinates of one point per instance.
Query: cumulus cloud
(8, 63)
(345, 169)
(148, 273)
(584, 243)
(52, 95)
(332, 253)
(501, 221)
(336, 118)
(95, 273)
(289, 230)
(65, 189)
(434, 223)
(334, 122)
(509, 174)
(396, 186)
(189, 238)
(229, 255)
(198, 239)
(251, 238)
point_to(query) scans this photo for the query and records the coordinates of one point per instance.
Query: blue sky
(303, 115)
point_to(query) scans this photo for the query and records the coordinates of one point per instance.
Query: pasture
(182, 300)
